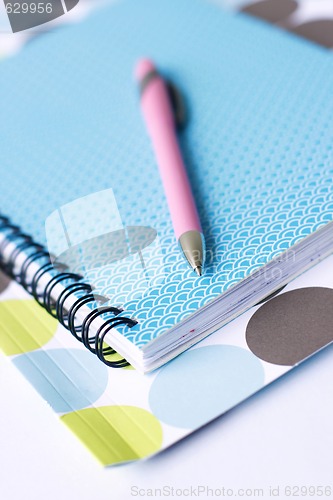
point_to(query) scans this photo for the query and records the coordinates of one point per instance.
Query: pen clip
(175, 96)
(178, 104)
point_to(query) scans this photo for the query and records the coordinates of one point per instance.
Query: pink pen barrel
(159, 117)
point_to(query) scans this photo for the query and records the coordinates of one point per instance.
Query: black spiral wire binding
(58, 273)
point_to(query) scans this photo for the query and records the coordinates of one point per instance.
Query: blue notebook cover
(258, 145)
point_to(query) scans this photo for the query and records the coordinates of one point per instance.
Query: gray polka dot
(291, 326)
(272, 11)
(319, 31)
(4, 282)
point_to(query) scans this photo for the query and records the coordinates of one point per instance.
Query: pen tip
(198, 270)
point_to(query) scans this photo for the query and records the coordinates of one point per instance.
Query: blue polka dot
(203, 383)
(69, 379)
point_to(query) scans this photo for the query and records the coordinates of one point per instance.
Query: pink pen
(160, 121)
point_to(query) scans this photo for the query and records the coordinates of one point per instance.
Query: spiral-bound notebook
(79, 176)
